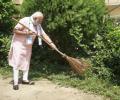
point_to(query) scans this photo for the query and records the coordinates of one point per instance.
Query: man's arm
(19, 28)
(21, 32)
(18, 31)
(47, 38)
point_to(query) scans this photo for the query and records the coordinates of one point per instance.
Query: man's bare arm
(18, 31)
(21, 32)
(47, 38)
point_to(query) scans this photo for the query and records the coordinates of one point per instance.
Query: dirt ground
(42, 90)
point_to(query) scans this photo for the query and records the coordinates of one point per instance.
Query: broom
(77, 65)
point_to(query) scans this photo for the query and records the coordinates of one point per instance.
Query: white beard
(33, 21)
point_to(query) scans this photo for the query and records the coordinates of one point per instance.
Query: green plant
(4, 49)
(7, 10)
(72, 24)
(106, 56)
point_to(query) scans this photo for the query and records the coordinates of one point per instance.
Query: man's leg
(25, 78)
(15, 79)
(15, 76)
(25, 75)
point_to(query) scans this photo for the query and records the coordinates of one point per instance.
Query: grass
(62, 75)
(5, 72)
(92, 84)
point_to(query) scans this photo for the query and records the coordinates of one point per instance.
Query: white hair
(37, 14)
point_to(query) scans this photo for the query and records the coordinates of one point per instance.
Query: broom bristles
(77, 64)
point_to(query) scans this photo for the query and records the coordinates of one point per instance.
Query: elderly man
(21, 46)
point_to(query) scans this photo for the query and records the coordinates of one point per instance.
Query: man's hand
(30, 33)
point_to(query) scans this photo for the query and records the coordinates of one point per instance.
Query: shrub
(7, 10)
(72, 24)
(80, 27)
(4, 48)
(107, 54)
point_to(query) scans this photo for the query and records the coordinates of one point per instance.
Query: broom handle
(56, 49)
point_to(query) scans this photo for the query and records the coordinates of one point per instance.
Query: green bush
(106, 58)
(4, 48)
(72, 24)
(7, 10)
(79, 27)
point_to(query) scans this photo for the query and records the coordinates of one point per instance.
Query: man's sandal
(28, 83)
(15, 87)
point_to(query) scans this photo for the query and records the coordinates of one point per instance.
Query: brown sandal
(15, 87)
(28, 83)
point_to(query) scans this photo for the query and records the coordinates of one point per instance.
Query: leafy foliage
(72, 24)
(107, 54)
(7, 10)
(81, 27)
(4, 48)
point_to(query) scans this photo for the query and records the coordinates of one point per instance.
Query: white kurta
(20, 52)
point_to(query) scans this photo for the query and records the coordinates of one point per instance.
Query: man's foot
(15, 87)
(27, 82)
(19, 82)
